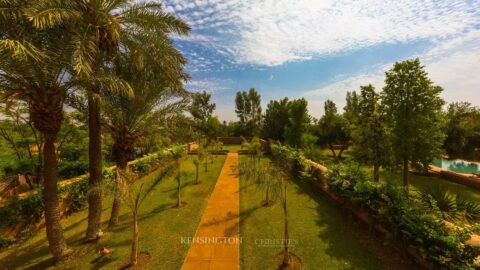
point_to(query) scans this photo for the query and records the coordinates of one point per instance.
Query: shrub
(70, 169)
(408, 218)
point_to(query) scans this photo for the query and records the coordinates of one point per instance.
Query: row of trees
(111, 60)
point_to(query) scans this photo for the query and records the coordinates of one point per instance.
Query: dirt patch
(142, 259)
(295, 263)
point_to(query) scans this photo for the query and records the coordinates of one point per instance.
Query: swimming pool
(457, 165)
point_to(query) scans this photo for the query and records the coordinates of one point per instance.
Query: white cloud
(209, 85)
(272, 32)
(457, 72)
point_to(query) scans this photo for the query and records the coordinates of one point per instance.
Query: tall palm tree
(100, 30)
(32, 69)
(129, 118)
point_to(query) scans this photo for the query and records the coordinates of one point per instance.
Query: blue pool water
(457, 165)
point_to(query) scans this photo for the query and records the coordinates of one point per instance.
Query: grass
(420, 182)
(232, 147)
(324, 238)
(161, 228)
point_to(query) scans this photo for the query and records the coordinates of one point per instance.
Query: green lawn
(161, 229)
(232, 147)
(420, 182)
(324, 237)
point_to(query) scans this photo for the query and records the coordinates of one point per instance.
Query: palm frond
(85, 53)
(19, 49)
(45, 14)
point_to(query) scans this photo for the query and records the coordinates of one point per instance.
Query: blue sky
(319, 49)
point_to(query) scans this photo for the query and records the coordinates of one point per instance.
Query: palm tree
(129, 118)
(100, 30)
(32, 69)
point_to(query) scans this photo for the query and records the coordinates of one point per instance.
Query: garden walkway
(216, 242)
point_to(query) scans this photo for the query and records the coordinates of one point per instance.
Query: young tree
(412, 107)
(249, 111)
(134, 195)
(333, 130)
(368, 134)
(276, 119)
(298, 121)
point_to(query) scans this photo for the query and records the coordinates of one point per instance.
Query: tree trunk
(333, 151)
(179, 202)
(405, 173)
(196, 174)
(376, 175)
(56, 241)
(134, 253)
(95, 170)
(267, 199)
(120, 154)
(116, 200)
(286, 255)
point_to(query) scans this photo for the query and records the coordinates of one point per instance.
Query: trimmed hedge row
(20, 216)
(405, 218)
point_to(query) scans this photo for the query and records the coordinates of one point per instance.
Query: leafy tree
(368, 133)
(412, 107)
(201, 108)
(249, 111)
(99, 31)
(276, 119)
(298, 122)
(462, 130)
(333, 130)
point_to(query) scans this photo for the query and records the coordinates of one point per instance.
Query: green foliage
(297, 126)
(68, 169)
(29, 210)
(462, 130)
(275, 120)
(406, 217)
(453, 207)
(367, 128)
(249, 111)
(332, 129)
(412, 106)
(201, 108)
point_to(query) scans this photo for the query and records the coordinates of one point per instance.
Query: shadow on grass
(337, 231)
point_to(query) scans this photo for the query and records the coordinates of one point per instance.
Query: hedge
(21, 214)
(405, 218)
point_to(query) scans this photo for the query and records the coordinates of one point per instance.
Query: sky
(320, 49)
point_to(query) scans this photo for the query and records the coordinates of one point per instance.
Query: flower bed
(403, 219)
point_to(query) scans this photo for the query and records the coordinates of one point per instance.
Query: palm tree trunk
(56, 241)
(95, 169)
(116, 200)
